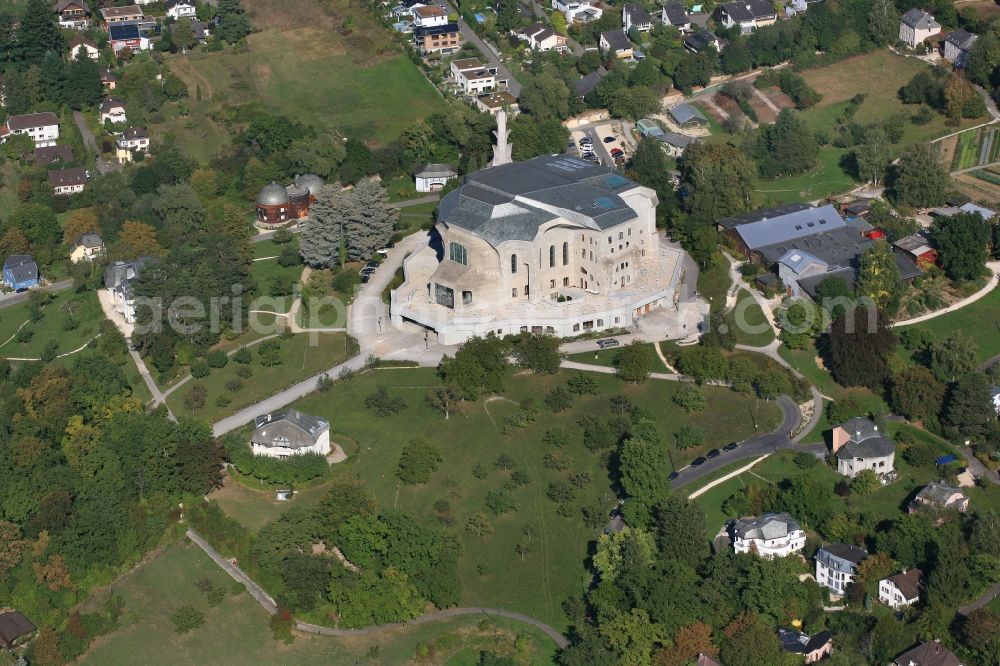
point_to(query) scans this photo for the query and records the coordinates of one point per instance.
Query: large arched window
(552, 256)
(513, 263)
(565, 254)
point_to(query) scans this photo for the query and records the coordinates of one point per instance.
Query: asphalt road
(7, 300)
(753, 447)
(469, 35)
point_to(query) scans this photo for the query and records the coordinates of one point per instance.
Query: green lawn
(980, 321)
(826, 178)
(714, 281)
(253, 505)
(273, 279)
(84, 309)
(236, 631)
(751, 325)
(606, 357)
(350, 86)
(300, 358)
(555, 566)
(417, 216)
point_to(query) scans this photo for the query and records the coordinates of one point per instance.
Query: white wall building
(577, 10)
(114, 110)
(636, 16)
(433, 177)
(747, 14)
(68, 181)
(540, 37)
(178, 9)
(900, 590)
(473, 76)
(43, 128)
(859, 445)
(836, 565)
(957, 47)
(427, 16)
(133, 140)
(915, 26)
(771, 535)
(551, 245)
(290, 433)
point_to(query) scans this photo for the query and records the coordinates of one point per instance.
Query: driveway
(90, 142)
(13, 298)
(469, 35)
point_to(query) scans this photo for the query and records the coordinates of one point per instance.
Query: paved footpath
(268, 604)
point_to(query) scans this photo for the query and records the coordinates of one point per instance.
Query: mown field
(236, 631)
(329, 65)
(492, 573)
(66, 306)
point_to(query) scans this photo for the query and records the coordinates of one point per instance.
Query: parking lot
(605, 144)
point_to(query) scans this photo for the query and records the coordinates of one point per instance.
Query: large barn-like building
(278, 205)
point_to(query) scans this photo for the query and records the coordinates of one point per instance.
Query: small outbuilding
(687, 115)
(433, 177)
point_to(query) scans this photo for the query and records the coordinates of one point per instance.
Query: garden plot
(976, 148)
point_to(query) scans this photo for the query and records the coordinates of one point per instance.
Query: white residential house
(915, 26)
(747, 14)
(118, 279)
(540, 37)
(771, 535)
(433, 177)
(289, 433)
(957, 46)
(859, 445)
(428, 16)
(87, 247)
(68, 181)
(178, 9)
(73, 14)
(43, 128)
(675, 14)
(133, 140)
(995, 398)
(81, 47)
(114, 110)
(836, 565)
(900, 590)
(580, 11)
(636, 16)
(474, 77)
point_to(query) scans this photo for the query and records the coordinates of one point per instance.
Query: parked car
(609, 139)
(714, 453)
(673, 475)
(697, 461)
(365, 277)
(731, 447)
(607, 342)
(367, 271)
(617, 152)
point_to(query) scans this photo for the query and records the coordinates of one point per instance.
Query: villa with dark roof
(290, 433)
(902, 589)
(957, 46)
(915, 26)
(747, 14)
(859, 445)
(552, 245)
(836, 564)
(771, 535)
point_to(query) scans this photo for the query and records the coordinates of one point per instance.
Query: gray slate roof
(768, 526)
(674, 139)
(700, 40)
(436, 171)
(799, 643)
(675, 13)
(637, 14)
(588, 82)
(68, 177)
(918, 19)
(866, 440)
(936, 494)
(684, 113)
(121, 272)
(49, 154)
(737, 11)
(22, 267)
(111, 103)
(617, 39)
(961, 39)
(289, 429)
(89, 241)
(841, 557)
(511, 201)
(798, 260)
(790, 226)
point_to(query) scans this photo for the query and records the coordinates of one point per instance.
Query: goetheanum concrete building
(552, 245)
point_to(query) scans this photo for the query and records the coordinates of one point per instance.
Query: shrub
(195, 396)
(244, 372)
(520, 477)
(345, 281)
(217, 358)
(49, 351)
(557, 460)
(920, 455)
(500, 502)
(418, 461)
(234, 385)
(559, 399)
(186, 618)
(223, 400)
(270, 353)
(690, 398)
(561, 492)
(504, 462)
(865, 483)
(199, 368)
(805, 460)
(582, 384)
(383, 404)
(282, 236)
(242, 356)
(23, 335)
(479, 525)
(556, 437)
(688, 437)
(286, 471)
(289, 257)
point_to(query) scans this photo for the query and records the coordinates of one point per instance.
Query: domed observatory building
(278, 205)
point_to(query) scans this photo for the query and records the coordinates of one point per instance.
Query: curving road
(268, 604)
